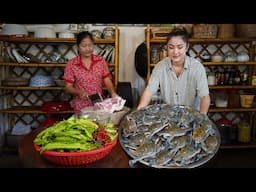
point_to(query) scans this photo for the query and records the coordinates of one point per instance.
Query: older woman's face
(176, 48)
(86, 47)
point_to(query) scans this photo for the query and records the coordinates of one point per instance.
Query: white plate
(18, 57)
(9, 52)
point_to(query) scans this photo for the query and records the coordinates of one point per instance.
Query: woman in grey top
(181, 78)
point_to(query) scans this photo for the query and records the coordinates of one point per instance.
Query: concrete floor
(225, 158)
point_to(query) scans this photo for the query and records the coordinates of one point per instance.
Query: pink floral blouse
(89, 80)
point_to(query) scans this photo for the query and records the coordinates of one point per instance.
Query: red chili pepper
(101, 135)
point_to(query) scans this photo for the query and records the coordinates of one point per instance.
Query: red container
(55, 106)
(76, 158)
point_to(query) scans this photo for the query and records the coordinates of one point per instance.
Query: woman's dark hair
(179, 31)
(84, 34)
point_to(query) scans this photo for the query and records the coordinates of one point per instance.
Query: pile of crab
(165, 136)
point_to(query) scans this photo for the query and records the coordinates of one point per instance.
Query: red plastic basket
(77, 158)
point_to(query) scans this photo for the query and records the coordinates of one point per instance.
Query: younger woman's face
(177, 49)
(86, 47)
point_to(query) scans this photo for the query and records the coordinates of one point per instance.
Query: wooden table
(31, 158)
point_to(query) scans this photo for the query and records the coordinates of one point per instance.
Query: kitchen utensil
(95, 98)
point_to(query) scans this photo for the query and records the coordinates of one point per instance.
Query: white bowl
(217, 58)
(45, 32)
(61, 28)
(66, 35)
(14, 29)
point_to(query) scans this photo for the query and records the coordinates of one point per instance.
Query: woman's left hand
(114, 95)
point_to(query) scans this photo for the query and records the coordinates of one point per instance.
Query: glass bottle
(154, 55)
(237, 79)
(254, 77)
(231, 80)
(163, 52)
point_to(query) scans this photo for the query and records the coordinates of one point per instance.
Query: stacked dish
(45, 32)
(41, 81)
(16, 30)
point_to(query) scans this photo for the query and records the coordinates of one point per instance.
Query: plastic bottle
(244, 132)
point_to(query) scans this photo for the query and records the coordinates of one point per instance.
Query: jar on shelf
(163, 52)
(154, 55)
(244, 132)
(254, 80)
(211, 78)
(221, 98)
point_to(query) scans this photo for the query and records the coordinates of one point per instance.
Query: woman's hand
(83, 95)
(114, 95)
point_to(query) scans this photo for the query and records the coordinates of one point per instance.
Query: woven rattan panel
(197, 50)
(44, 54)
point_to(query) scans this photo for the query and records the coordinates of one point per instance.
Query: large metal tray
(191, 165)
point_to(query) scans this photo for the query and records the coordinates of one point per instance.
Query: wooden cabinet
(22, 103)
(199, 47)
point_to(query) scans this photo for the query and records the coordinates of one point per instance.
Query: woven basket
(205, 31)
(226, 31)
(161, 32)
(246, 30)
(76, 158)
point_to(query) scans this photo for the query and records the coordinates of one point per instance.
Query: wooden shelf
(31, 110)
(229, 63)
(50, 40)
(30, 88)
(214, 110)
(209, 41)
(35, 88)
(220, 63)
(232, 87)
(238, 145)
(33, 64)
(40, 64)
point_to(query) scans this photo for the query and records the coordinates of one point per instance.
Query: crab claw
(132, 163)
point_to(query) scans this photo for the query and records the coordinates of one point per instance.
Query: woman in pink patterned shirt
(86, 73)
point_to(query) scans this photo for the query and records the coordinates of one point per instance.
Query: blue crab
(146, 150)
(162, 158)
(184, 155)
(210, 144)
(129, 126)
